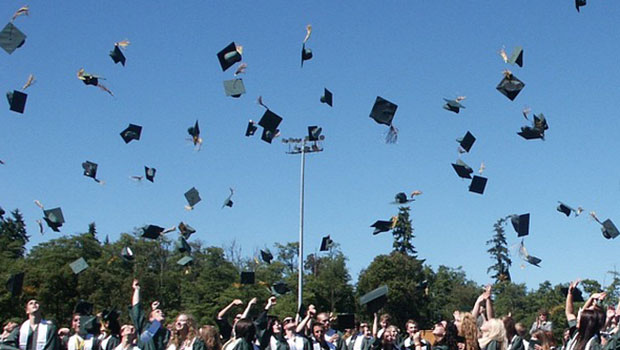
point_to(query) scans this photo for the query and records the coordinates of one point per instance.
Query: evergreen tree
(13, 237)
(403, 233)
(499, 252)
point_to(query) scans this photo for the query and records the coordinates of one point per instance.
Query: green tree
(403, 233)
(327, 282)
(450, 290)
(613, 289)
(499, 252)
(13, 236)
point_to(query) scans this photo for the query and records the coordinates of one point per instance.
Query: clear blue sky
(413, 53)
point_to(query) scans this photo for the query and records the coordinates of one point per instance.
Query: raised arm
(304, 322)
(594, 300)
(222, 313)
(569, 309)
(135, 298)
(476, 310)
(246, 312)
(375, 325)
(489, 303)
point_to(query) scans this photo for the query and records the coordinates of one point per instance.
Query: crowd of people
(590, 328)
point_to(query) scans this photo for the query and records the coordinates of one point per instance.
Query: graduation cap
(510, 86)
(521, 224)
(326, 242)
(527, 257)
(579, 3)
(270, 121)
(234, 87)
(193, 197)
(149, 173)
(186, 260)
(376, 299)
(251, 129)
(230, 55)
(565, 209)
(327, 97)
(382, 226)
(117, 55)
(577, 295)
(314, 133)
(90, 325)
(477, 185)
(183, 246)
(78, 265)
(453, 105)
(90, 170)
(186, 230)
(266, 256)
(132, 132)
(306, 54)
(194, 132)
(247, 277)
(462, 170)
(401, 198)
(11, 38)
(152, 231)
(91, 79)
(127, 254)
(516, 57)
(537, 130)
(609, 229)
(383, 112)
(269, 135)
(15, 283)
(17, 101)
(345, 321)
(54, 218)
(467, 141)
(279, 289)
(83, 307)
(228, 201)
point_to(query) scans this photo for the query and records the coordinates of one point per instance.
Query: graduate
(185, 335)
(270, 333)
(414, 341)
(110, 330)
(295, 340)
(128, 338)
(515, 342)
(226, 330)
(35, 333)
(361, 340)
(333, 337)
(152, 335)
(388, 341)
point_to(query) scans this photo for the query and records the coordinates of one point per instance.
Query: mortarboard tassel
(168, 230)
(24, 10)
(241, 69)
(308, 32)
(525, 112)
(416, 193)
(38, 204)
(136, 178)
(40, 226)
(394, 221)
(502, 53)
(189, 208)
(482, 167)
(31, 80)
(392, 135)
(260, 102)
(593, 215)
(578, 211)
(123, 44)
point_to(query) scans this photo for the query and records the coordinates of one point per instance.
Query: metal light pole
(303, 149)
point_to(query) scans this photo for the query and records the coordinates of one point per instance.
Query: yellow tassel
(123, 44)
(24, 10)
(308, 32)
(30, 81)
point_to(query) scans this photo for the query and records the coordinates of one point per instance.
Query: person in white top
(184, 335)
(128, 338)
(35, 333)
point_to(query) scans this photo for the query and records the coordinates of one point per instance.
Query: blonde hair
(469, 331)
(497, 332)
(211, 337)
(192, 332)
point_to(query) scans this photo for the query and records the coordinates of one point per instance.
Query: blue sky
(411, 53)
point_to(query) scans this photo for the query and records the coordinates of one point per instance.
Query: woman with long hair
(245, 333)
(184, 335)
(211, 338)
(446, 335)
(469, 331)
(587, 324)
(493, 335)
(540, 340)
(515, 342)
(272, 337)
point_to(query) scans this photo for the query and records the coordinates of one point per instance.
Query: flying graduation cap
(234, 87)
(17, 101)
(401, 198)
(11, 38)
(186, 230)
(383, 112)
(193, 197)
(537, 130)
(527, 257)
(466, 142)
(78, 265)
(326, 243)
(132, 132)
(149, 173)
(270, 122)
(510, 86)
(327, 97)
(228, 202)
(91, 79)
(515, 58)
(566, 210)
(579, 3)
(117, 54)
(194, 132)
(521, 224)
(306, 53)
(454, 105)
(266, 256)
(384, 225)
(251, 129)
(279, 289)
(462, 170)
(182, 245)
(230, 55)
(152, 231)
(478, 184)
(90, 170)
(375, 299)
(314, 133)
(127, 254)
(53, 217)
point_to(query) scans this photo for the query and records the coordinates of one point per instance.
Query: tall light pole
(298, 146)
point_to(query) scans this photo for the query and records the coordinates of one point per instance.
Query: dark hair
(509, 324)
(450, 337)
(543, 311)
(245, 328)
(590, 323)
(271, 321)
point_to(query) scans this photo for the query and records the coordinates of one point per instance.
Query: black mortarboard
(270, 121)
(381, 226)
(530, 133)
(234, 87)
(565, 209)
(268, 135)
(327, 97)
(533, 260)
(326, 242)
(186, 230)
(314, 133)
(132, 132)
(78, 265)
(117, 55)
(194, 131)
(279, 288)
(517, 56)
(577, 296)
(345, 321)
(463, 170)
(110, 315)
(383, 111)
(301, 310)
(477, 185)
(184, 261)
(579, 3)
(374, 300)
(266, 256)
(90, 169)
(11, 38)
(247, 277)
(192, 196)
(54, 218)
(251, 129)
(17, 101)
(15, 283)
(306, 54)
(183, 246)
(149, 173)
(228, 56)
(453, 105)
(228, 201)
(83, 308)
(510, 86)
(401, 198)
(609, 229)
(90, 325)
(152, 231)
(521, 224)
(127, 254)
(467, 141)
